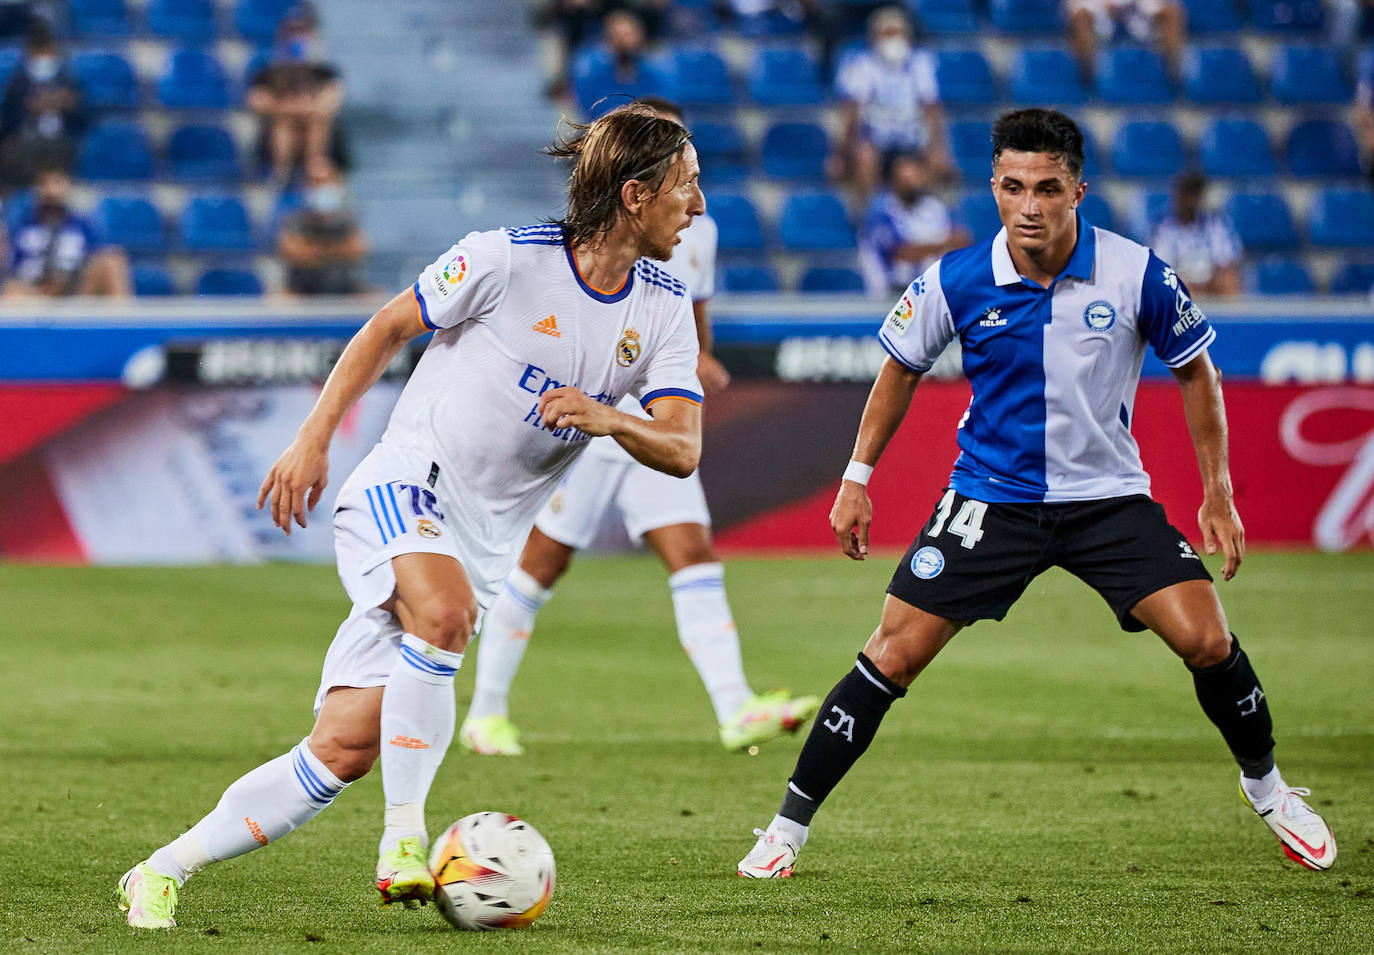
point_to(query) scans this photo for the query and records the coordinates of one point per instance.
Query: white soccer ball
(491, 870)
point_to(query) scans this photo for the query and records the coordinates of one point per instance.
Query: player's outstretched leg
(506, 632)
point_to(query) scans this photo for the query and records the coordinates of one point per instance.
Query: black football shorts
(973, 559)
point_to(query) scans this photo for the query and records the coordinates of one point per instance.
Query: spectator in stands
(573, 23)
(1202, 246)
(297, 97)
(16, 18)
(620, 66)
(322, 245)
(1090, 22)
(890, 104)
(906, 229)
(41, 116)
(1362, 111)
(54, 251)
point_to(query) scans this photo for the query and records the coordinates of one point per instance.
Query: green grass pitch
(1049, 785)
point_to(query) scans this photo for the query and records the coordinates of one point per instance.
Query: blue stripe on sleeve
(373, 504)
(391, 493)
(424, 312)
(683, 393)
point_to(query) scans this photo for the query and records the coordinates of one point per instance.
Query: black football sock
(845, 725)
(1232, 698)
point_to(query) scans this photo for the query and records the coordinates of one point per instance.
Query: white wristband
(858, 473)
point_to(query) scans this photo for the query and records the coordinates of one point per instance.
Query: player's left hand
(568, 407)
(1221, 527)
(711, 373)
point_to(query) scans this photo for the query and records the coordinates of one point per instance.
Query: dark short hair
(661, 104)
(1039, 130)
(1193, 182)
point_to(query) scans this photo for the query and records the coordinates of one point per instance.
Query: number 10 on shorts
(967, 524)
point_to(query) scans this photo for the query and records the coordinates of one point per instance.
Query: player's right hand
(295, 483)
(850, 519)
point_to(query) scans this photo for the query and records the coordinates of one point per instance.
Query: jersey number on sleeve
(967, 524)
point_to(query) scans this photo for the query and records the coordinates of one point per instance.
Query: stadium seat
(1097, 210)
(98, 18)
(229, 282)
(795, 151)
(829, 279)
(1236, 147)
(970, 142)
(1045, 76)
(597, 89)
(1308, 74)
(947, 16)
(1027, 16)
(1321, 147)
(203, 152)
(193, 80)
(1148, 208)
(190, 21)
(1092, 157)
(1262, 220)
(107, 80)
(1130, 74)
(1212, 16)
(1286, 16)
(211, 224)
(1282, 277)
(132, 223)
(738, 222)
(10, 58)
(978, 211)
(784, 76)
(1353, 278)
(964, 76)
(814, 220)
(151, 280)
(1342, 217)
(257, 19)
(748, 278)
(1145, 148)
(1219, 74)
(721, 152)
(701, 79)
(115, 151)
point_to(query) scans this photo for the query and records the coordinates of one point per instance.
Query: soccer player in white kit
(538, 333)
(670, 515)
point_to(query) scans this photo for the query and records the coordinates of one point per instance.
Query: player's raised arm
(670, 443)
(298, 478)
(1205, 411)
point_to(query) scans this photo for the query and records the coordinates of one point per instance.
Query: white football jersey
(513, 318)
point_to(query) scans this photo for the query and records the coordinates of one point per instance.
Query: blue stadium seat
(795, 151)
(257, 19)
(597, 89)
(1353, 278)
(229, 282)
(737, 220)
(190, 21)
(767, 23)
(1287, 16)
(748, 278)
(98, 18)
(1212, 16)
(978, 211)
(1097, 210)
(814, 220)
(1262, 220)
(203, 152)
(947, 16)
(1219, 74)
(970, 142)
(115, 151)
(1130, 74)
(10, 56)
(1342, 217)
(1148, 207)
(964, 77)
(721, 152)
(1282, 277)
(1145, 148)
(1028, 16)
(132, 223)
(211, 224)
(702, 79)
(785, 76)
(1308, 74)
(830, 279)
(193, 80)
(1092, 158)
(152, 280)
(1322, 147)
(1045, 76)
(1236, 147)
(107, 80)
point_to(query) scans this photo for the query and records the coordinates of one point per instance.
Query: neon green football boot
(493, 735)
(149, 898)
(766, 716)
(403, 874)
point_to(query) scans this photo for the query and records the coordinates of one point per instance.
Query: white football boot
(1303, 833)
(772, 857)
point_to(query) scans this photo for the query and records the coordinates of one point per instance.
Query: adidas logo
(547, 326)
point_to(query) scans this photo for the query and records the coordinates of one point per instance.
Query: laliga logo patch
(627, 349)
(927, 562)
(452, 275)
(1099, 316)
(899, 320)
(426, 529)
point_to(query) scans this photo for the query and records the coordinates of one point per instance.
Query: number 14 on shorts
(967, 524)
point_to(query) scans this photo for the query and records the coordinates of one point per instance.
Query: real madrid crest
(427, 529)
(627, 349)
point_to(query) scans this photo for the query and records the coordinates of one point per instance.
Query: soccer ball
(491, 870)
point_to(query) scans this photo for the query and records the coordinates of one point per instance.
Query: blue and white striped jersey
(1054, 370)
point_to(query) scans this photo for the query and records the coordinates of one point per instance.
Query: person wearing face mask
(41, 114)
(322, 245)
(906, 229)
(890, 104)
(54, 251)
(619, 67)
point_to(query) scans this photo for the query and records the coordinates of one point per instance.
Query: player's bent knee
(445, 623)
(346, 758)
(1207, 649)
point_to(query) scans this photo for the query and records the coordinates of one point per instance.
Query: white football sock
(1264, 790)
(707, 631)
(505, 635)
(791, 830)
(418, 714)
(258, 808)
